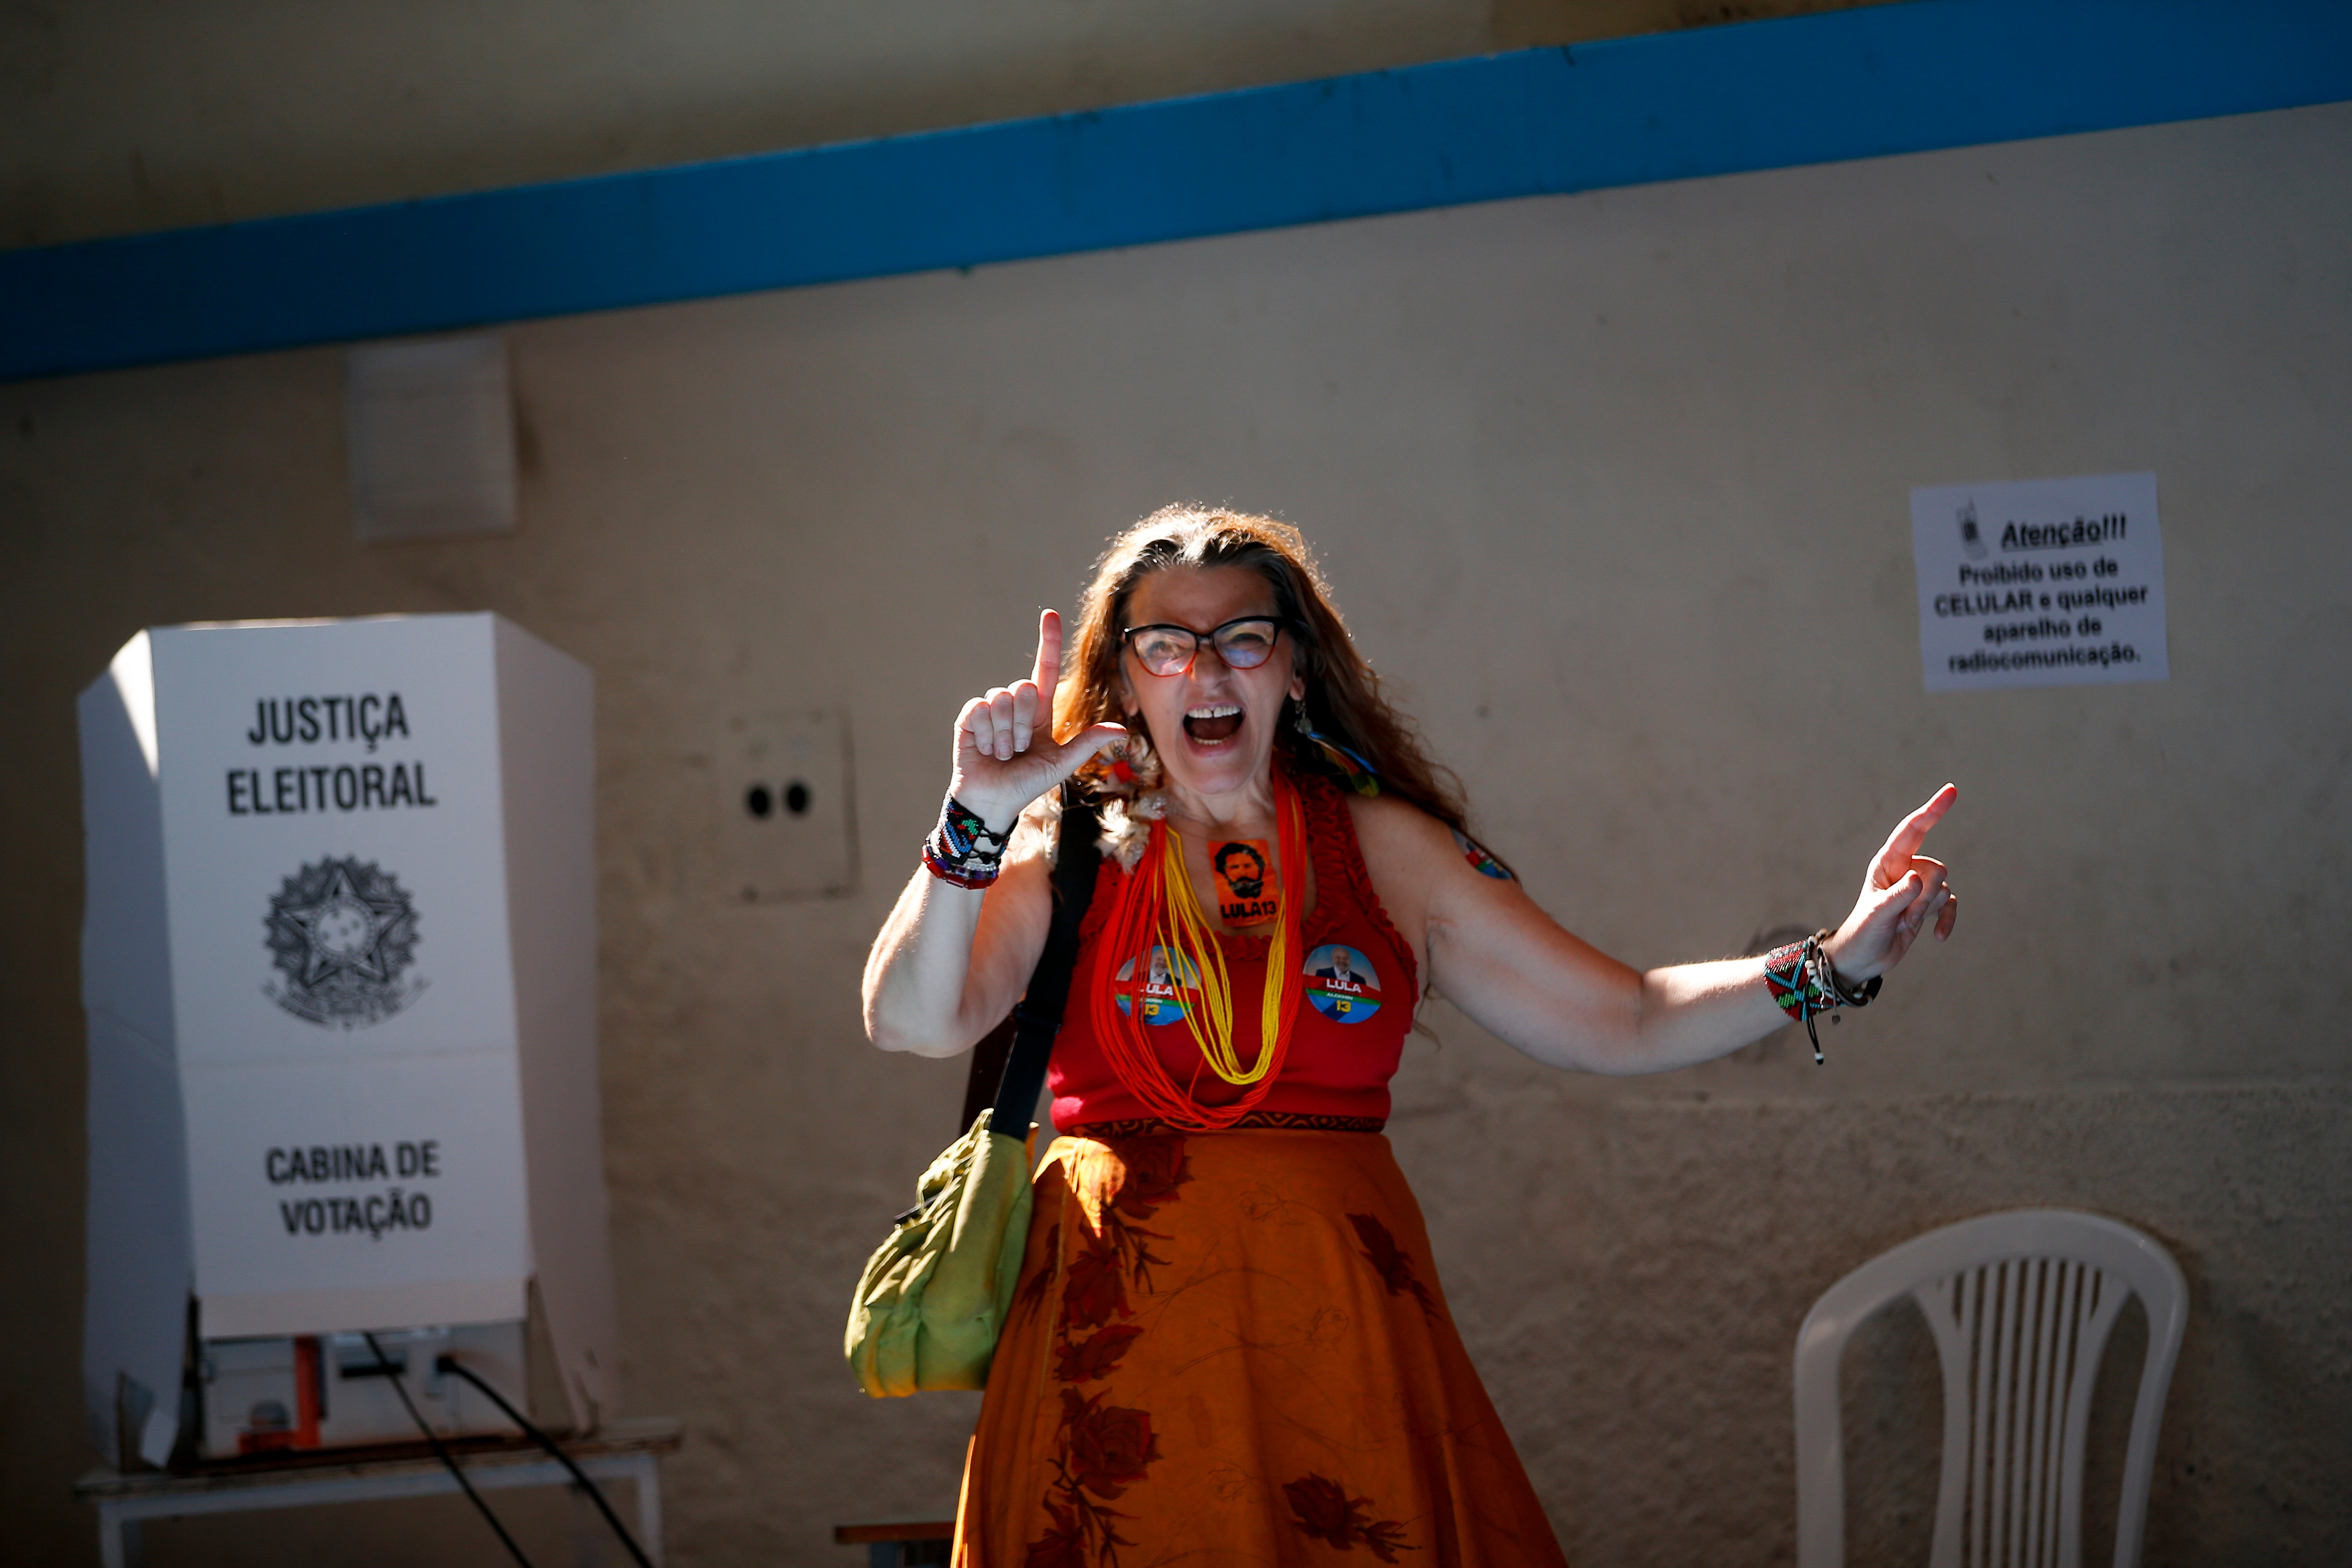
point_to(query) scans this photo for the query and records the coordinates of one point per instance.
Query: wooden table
(620, 1450)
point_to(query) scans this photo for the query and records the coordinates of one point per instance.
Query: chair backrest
(2020, 1305)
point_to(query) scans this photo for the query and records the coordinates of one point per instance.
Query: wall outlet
(787, 829)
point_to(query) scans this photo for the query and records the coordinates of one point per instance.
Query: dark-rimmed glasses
(1244, 643)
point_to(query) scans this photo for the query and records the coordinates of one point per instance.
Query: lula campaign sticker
(1168, 980)
(1342, 984)
(1249, 893)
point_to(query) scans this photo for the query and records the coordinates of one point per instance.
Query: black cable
(391, 1375)
(448, 1363)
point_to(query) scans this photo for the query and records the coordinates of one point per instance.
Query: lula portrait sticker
(1249, 889)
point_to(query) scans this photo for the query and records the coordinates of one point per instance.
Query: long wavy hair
(1343, 694)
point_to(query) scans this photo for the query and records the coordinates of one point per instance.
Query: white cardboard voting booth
(338, 958)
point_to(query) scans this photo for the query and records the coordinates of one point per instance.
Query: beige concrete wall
(1614, 488)
(118, 116)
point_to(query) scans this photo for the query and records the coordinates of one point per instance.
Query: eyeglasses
(1242, 644)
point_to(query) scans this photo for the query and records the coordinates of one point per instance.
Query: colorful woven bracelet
(1805, 984)
(962, 849)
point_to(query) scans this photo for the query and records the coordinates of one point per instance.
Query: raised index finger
(1049, 661)
(1909, 834)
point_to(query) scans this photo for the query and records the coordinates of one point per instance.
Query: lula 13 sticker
(1249, 891)
(1168, 979)
(1342, 984)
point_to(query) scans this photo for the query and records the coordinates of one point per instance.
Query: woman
(1227, 1343)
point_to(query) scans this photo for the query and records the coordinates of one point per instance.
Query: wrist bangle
(1848, 995)
(1804, 984)
(962, 849)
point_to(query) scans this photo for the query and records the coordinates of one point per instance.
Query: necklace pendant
(1247, 880)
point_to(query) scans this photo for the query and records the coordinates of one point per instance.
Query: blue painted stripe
(1848, 84)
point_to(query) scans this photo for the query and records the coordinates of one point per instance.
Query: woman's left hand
(1903, 891)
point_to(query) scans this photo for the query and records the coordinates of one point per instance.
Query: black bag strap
(1024, 1042)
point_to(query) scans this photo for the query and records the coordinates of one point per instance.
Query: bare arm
(1512, 968)
(949, 961)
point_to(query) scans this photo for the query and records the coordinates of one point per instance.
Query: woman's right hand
(1005, 753)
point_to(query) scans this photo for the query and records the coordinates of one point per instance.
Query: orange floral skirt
(1230, 1348)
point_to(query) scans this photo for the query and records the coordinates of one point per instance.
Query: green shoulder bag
(934, 1295)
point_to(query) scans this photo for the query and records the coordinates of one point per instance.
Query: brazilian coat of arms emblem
(341, 934)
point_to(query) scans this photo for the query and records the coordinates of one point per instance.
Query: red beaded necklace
(1156, 908)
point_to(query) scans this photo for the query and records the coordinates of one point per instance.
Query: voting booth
(339, 959)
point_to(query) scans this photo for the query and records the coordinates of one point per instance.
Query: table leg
(649, 1508)
(592, 1539)
(118, 1538)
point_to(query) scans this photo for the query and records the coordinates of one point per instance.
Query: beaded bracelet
(962, 849)
(1804, 983)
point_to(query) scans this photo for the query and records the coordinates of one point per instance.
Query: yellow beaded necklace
(1183, 928)
(1158, 907)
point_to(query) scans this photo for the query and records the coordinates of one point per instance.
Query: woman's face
(1213, 725)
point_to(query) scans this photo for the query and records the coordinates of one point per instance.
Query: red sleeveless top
(1360, 982)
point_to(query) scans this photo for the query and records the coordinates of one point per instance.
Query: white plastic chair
(2020, 1305)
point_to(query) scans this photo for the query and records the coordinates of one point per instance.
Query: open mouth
(1213, 722)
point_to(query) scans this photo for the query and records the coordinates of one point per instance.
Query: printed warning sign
(2040, 583)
